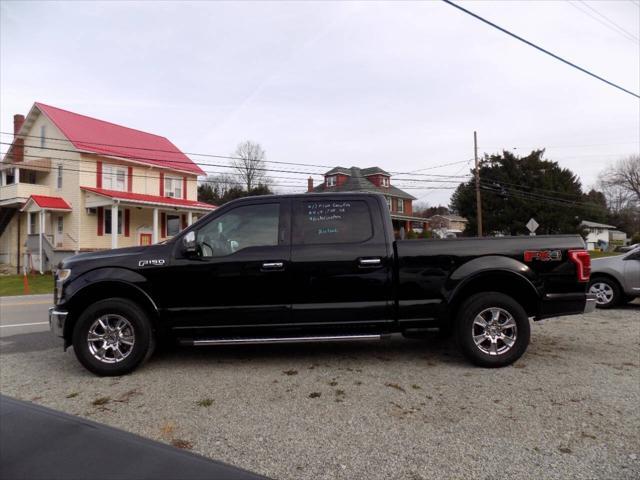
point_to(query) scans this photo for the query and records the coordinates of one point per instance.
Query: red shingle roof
(150, 199)
(53, 203)
(97, 136)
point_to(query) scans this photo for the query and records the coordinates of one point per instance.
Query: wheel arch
(108, 289)
(506, 282)
(608, 276)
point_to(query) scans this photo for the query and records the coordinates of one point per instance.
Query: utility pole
(478, 199)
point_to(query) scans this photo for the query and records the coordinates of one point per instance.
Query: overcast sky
(397, 85)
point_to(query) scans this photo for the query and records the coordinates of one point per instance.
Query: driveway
(570, 408)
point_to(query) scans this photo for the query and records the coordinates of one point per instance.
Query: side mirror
(189, 242)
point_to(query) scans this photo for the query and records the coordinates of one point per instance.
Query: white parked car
(615, 280)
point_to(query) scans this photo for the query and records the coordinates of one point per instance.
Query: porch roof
(47, 203)
(151, 200)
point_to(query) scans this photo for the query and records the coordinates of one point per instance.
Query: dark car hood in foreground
(40, 443)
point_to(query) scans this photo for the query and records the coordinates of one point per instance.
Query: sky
(397, 85)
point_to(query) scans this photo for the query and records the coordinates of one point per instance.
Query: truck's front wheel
(112, 337)
(492, 329)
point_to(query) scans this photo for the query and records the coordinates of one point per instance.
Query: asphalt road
(24, 314)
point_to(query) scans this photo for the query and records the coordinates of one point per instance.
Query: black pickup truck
(302, 268)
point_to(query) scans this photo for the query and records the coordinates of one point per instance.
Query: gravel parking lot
(570, 408)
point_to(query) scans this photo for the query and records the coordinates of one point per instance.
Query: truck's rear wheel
(492, 329)
(112, 337)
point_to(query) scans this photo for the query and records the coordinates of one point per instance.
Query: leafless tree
(621, 182)
(250, 165)
(223, 182)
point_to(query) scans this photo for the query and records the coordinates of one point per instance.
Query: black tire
(602, 301)
(507, 350)
(143, 342)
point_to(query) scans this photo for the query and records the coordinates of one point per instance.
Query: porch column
(407, 225)
(189, 218)
(3, 177)
(154, 234)
(114, 225)
(16, 175)
(40, 237)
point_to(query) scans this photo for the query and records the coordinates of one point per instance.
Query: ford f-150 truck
(313, 267)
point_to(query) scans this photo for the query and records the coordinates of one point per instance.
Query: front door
(341, 265)
(240, 275)
(145, 239)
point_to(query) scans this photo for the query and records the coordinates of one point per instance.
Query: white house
(598, 236)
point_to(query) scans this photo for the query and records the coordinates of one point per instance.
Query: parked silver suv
(615, 279)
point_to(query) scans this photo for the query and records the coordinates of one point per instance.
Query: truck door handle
(370, 262)
(273, 266)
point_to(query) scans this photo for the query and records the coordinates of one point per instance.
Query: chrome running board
(258, 340)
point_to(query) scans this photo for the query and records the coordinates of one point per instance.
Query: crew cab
(313, 267)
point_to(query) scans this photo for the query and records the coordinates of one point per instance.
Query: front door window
(243, 227)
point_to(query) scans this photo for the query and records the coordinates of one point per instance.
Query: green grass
(13, 284)
(595, 254)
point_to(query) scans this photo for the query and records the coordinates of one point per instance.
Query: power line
(610, 27)
(629, 34)
(214, 181)
(156, 150)
(484, 20)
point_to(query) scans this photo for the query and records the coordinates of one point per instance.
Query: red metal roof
(149, 199)
(53, 203)
(105, 138)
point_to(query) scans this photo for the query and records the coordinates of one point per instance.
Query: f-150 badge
(154, 262)
(543, 255)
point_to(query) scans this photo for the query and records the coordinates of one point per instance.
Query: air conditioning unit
(170, 194)
(91, 211)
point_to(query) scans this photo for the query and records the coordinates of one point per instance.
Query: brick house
(372, 179)
(71, 183)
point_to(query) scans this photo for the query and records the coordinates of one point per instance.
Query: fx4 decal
(153, 262)
(543, 255)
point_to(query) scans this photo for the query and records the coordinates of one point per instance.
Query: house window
(331, 181)
(385, 181)
(60, 225)
(33, 222)
(173, 187)
(173, 225)
(59, 180)
(43, 135)
(388, 202)
(107, 221)
(400, 205)
(114, 177)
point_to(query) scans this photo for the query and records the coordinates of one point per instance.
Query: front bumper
(57, 319)
(559, 304)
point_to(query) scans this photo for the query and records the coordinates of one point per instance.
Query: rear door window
(332, 221)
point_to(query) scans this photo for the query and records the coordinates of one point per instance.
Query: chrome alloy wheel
(111, 338)
(494, 331)
(603, 292)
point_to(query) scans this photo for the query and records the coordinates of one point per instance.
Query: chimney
(18, 143)
(310, 184)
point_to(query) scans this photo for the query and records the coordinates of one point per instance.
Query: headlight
(62, 275)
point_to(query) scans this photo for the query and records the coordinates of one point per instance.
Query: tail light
(582, 260)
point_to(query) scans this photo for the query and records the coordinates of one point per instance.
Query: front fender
(104, 275)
